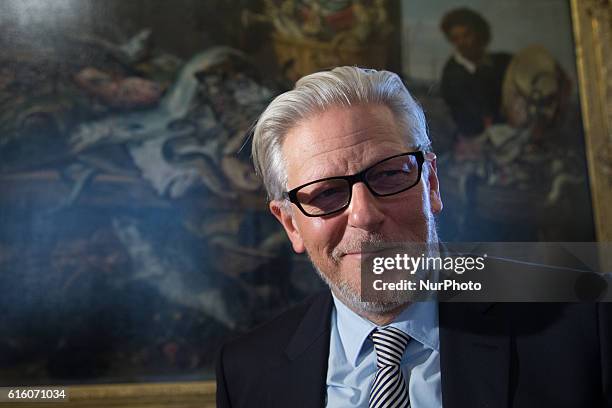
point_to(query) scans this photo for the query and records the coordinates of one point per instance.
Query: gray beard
(352, 299)
(393, 299)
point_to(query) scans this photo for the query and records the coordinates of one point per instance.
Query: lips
(361, 253)
(359, 245)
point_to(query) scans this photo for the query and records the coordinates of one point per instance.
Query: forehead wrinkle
(335, 150)
(333, 162)
(370, 131)
(351, 145)
(342, 165)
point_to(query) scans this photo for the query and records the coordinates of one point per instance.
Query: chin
(350, 295)
(352, 298)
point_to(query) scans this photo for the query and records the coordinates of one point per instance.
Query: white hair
(343, 86)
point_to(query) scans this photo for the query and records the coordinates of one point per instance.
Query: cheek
(413, 202)
(410, 210)
(321, 235)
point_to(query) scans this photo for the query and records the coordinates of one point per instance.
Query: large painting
(134, 236)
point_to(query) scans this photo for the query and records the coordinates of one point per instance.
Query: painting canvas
(134, 234)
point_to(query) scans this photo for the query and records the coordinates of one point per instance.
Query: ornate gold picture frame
(592, 27)
(592, 20)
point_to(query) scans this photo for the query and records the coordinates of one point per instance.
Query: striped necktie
(389, 388)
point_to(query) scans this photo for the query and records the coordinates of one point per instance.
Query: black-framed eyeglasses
(333, 194)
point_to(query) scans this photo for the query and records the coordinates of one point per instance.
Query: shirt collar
(419, 321)
(469, 65)
(466, 63)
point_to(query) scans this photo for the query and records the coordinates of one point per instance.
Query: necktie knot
(389, 344)
(389, 390)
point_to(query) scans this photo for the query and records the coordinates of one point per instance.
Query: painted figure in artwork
(471, 83)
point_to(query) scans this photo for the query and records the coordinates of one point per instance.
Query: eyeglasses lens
(324, 196)
(393, 175)
(386, 178)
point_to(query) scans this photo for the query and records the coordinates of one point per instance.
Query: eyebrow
(318, 175)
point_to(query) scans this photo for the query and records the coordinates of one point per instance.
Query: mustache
(355, 244)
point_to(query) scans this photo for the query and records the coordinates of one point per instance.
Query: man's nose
(364, 209)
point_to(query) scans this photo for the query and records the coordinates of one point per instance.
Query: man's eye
(326, 198)
(386, 174)
(330, 192)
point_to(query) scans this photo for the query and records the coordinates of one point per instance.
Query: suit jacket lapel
(303, 380)
(474, 355)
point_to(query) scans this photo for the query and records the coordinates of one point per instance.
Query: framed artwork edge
(152, 395)
(592, 26)
(592, 23)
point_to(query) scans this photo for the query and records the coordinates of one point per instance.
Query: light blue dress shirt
(352, 359)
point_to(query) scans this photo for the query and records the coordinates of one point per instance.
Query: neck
(382, 319)
(378, 318)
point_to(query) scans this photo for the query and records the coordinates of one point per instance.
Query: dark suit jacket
(491, 355)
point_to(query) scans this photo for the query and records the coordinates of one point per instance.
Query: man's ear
(284, 216)
(434, 185)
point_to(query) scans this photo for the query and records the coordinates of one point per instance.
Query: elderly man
(346, 161)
